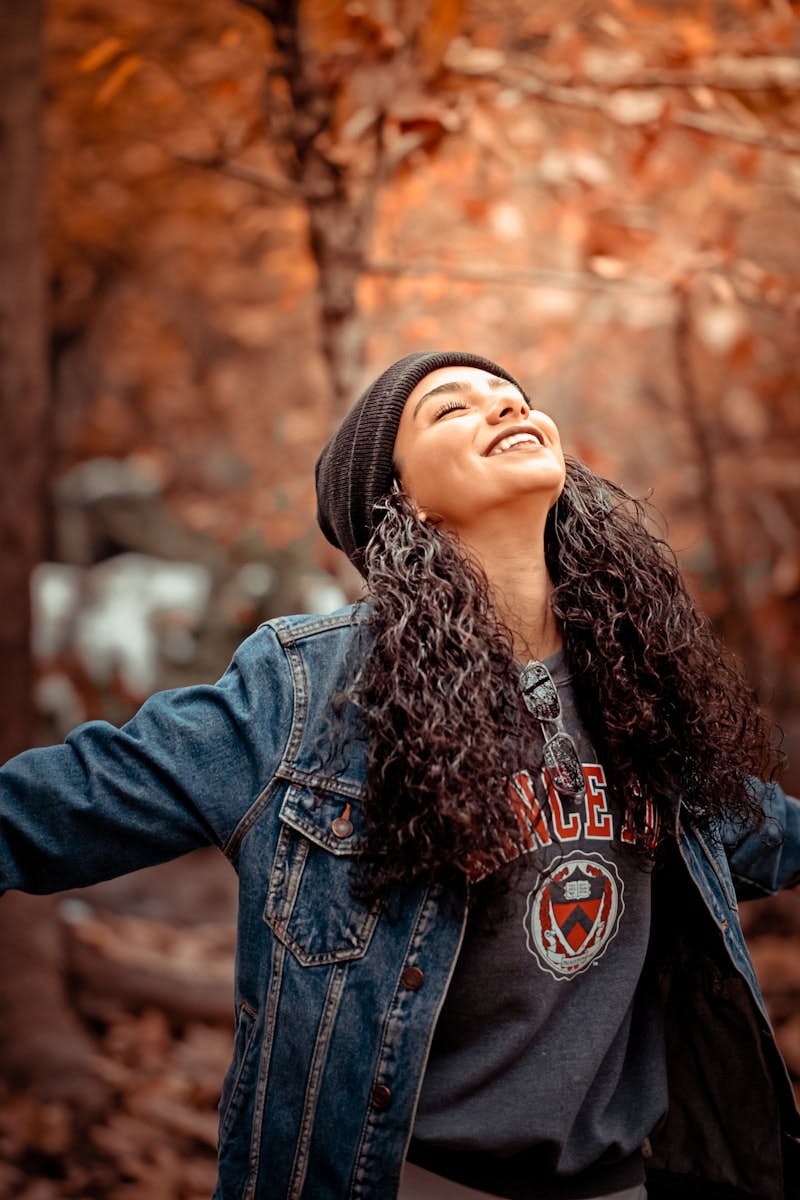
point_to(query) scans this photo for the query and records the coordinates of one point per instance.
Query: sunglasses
(561, 758)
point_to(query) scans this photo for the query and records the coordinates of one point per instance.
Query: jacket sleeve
(767, 857)
(179, 775)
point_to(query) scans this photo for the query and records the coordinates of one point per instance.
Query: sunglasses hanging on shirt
(561, 758)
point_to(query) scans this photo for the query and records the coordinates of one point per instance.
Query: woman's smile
(441, 451)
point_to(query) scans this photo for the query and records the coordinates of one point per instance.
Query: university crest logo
(573, 915)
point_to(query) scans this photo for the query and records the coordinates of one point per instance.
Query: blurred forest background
(218, 221)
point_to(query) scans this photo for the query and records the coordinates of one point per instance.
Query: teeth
(513, 439)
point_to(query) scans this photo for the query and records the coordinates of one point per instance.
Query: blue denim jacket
(333, 1028)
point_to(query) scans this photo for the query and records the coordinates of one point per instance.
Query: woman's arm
(179, 775)
(767, 858)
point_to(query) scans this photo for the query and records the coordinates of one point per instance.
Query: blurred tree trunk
(736, 625)
(41, 1041)
(340, 216)
(23, 379)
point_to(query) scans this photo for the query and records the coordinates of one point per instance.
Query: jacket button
(412, 978)
(342, 826)
(381, 1097)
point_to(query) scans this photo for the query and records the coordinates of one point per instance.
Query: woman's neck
(528, 616)
(522, 591)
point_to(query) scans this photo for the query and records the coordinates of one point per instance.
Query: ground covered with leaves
(150, 1132)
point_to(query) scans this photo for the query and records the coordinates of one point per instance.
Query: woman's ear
(397, 488)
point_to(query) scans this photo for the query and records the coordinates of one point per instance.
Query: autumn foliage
(249, 212)
(251, 208)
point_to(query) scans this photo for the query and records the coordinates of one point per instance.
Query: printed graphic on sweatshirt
(573, 914)
(558, 821)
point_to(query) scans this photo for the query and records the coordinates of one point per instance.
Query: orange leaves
(445, 20)
(693, 37)
(230, 38)
(342, 31)
(116, 81)
(361, 31)
(541, 176)
(100, 54)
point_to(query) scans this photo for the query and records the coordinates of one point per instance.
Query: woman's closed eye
(450, 406)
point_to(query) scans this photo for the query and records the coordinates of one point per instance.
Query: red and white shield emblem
(574, 914)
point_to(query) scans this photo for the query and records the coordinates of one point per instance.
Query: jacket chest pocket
(309, 906)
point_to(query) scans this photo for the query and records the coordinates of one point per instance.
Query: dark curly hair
(664, 703)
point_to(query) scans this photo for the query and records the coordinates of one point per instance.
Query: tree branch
(603, 101)
(525, 276)
(785, 142)
(727, 72)
(271, 184)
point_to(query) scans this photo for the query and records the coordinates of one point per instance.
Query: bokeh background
(218, 221)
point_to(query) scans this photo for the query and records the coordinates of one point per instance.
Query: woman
(488, 828)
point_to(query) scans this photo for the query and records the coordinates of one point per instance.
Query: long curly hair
(664, 703)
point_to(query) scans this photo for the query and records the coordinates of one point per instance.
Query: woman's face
(468, 446)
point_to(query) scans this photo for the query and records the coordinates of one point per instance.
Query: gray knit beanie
(356, 468)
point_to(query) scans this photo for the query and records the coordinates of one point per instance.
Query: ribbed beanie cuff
(356, 467)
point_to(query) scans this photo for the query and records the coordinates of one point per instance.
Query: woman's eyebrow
(460, 385)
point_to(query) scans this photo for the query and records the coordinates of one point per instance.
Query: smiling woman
(477, 459)
(489, 827)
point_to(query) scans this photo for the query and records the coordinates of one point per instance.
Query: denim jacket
(336, 1000)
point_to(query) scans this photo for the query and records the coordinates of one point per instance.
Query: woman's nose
(506, 406)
